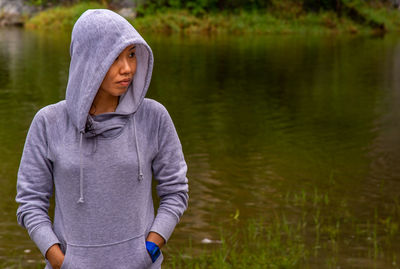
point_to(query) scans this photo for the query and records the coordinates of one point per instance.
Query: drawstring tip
(80, 201)
(140, 177)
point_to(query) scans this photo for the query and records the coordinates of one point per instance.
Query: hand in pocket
(55, 256)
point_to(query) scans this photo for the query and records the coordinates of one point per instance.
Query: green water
(262, 120)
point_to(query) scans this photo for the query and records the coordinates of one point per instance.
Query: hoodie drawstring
(81, 200)
(140, 174)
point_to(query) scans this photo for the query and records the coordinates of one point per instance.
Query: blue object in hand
(153, 250)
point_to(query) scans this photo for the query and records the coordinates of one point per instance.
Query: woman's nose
(126, 66)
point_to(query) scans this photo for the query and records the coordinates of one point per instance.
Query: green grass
(320, 230)
(282, 19)
(182, 21)
(60, 18)
(260, 245)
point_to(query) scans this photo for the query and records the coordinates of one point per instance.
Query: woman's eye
(132, 55)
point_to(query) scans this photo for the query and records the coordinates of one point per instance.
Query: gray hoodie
(101, 166)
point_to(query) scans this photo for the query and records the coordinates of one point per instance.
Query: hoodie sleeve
(169, 168)
(35, 186)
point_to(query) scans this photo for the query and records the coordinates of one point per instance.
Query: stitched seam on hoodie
(47, 136)
(105, 245)
(160, 120)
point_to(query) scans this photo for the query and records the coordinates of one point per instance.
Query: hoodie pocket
(130, 254)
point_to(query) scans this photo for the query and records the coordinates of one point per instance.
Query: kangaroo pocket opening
(130, 254)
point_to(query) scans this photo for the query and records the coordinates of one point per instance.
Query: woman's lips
(124, 82)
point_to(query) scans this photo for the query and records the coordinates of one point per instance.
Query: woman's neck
(103, 102)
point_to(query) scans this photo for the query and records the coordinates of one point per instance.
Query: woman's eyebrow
(132, 48)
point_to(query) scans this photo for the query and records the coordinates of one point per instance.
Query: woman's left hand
(156, 238)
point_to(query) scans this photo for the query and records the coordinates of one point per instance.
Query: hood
(98, 37)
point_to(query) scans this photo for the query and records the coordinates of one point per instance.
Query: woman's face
(121, 72)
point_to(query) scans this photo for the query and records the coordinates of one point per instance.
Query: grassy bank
(60, 17)
(311, 229)
(260, 245)
(181, 21)
(319, 233)
(282, 19)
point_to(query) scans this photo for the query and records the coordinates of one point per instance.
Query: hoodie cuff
(164, 224)
(44, 237)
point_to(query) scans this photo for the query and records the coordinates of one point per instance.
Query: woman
(100, 148)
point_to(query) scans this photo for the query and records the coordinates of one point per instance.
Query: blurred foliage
(236, 16)
(59, 18)
(41, 2)
(202, 6)
(51, 3)
(376, 14)
(199, 7)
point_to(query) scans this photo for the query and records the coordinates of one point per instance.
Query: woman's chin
(119, 91)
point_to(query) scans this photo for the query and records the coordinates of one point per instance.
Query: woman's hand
(156, 238)
(55, 256)
(154, 242)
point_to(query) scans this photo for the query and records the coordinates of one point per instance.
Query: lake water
(262, 120)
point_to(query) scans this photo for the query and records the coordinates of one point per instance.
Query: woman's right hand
(55, 256)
